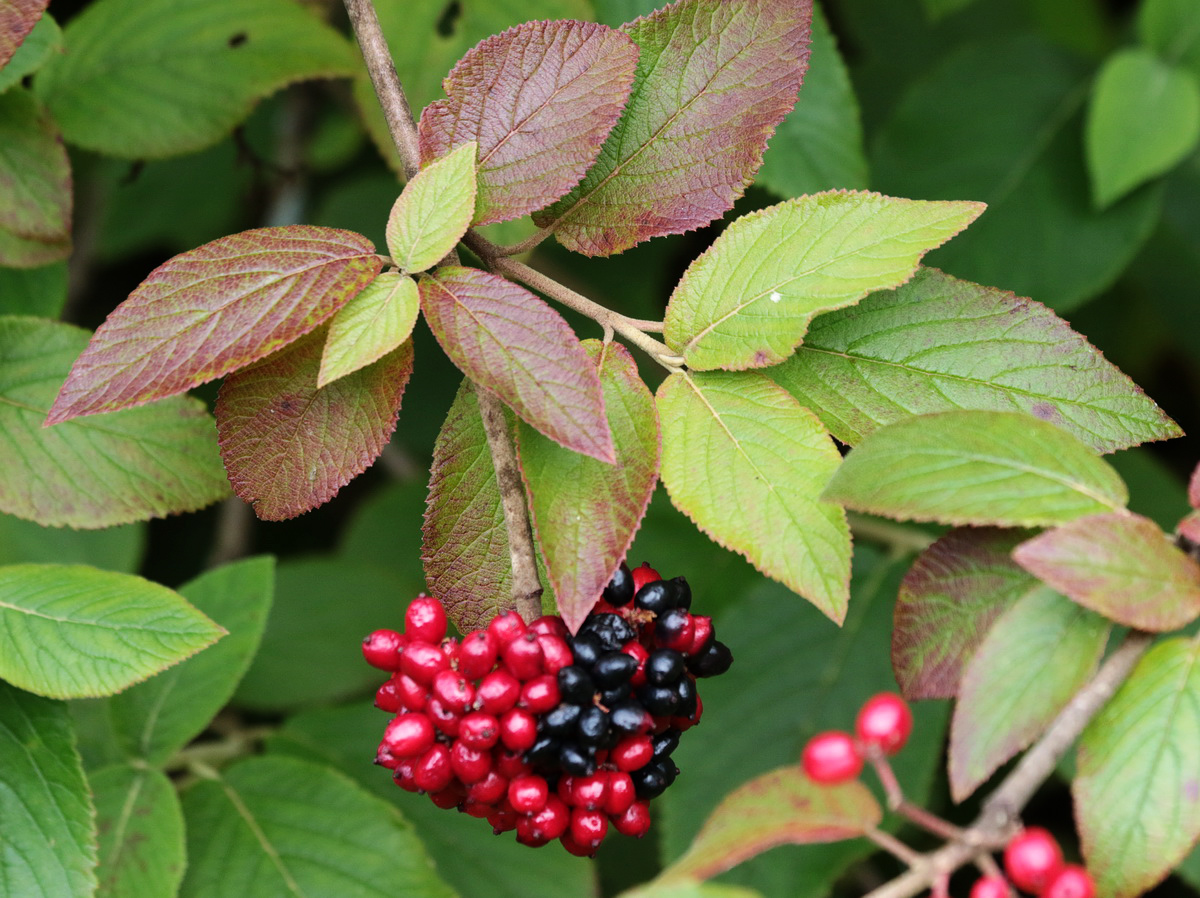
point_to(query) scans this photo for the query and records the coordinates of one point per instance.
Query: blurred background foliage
(933, 99)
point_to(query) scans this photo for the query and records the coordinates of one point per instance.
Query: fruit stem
(896, 801)
(894, 847)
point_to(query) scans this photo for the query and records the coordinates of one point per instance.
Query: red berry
(574, 847)
(511, 764)
(477, 654)
(502, 820)
(620, 795)
(386, 698)
(506, 627)
(383, 649)
(453, 690)
(540, 694)
(550, 821)
(831, 757)
(408, 735)
(470, 765)
(636, 819)
(477, 808)
(385, 758)
(556, 654)
(450, 797)
(425, 620)
(489, 790)
(527, 794)
(638, 653)
(1032, 859)
(702, 634)
(422, 661)
(411, 693)
(587, 791)
(479, 730)
(432, 771)
(523, 656)
(450, 648)
(588, 828)
(885, 720)
(445, 719)
(403, 775)
(991, 887)
(632, 752)
(550, 625)
(1072, 881)
(518, 729)
(642, 575)
(497, 692)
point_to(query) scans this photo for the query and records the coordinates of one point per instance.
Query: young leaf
(746, 302)
(586, 512)
(111, 469)
(215, 309)
(155, 78)
(465, 545)
(744, 461)
(1169, 27)
(967, 467)
(290, 445)
(78, 632)
(778, 808)
(713, 80)
(513, 344)
(278, 826)
(17, 18)
(819, 146)
(1120, 565)
(539, 99)
(369, 326)
(937, 344)
(1143, 119)
(433, 211)
(141, 832)
(1036, 655)
(964, 129)
(156, 718)
(1135, 789)
(44, 40)
(35, 174)
(46, 812)
(949, 598)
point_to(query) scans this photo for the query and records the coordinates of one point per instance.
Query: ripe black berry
(611, 629)
(630, 717)
(560, 721)
(685, 689)
(660, 701)
(665, 743)
(575, 686)
(616, 695)
(620, 588)
(656, 596)
(673, 629)
(577, 760)
(593, 726)
(586, 647)
(613, 668)
(664, 667)
(545, 751)
(714, 661)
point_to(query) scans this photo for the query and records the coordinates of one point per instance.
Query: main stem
(526, 586)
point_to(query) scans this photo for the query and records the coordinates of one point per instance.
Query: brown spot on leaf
(1047, 411)
(1191, 790)
(238, 39)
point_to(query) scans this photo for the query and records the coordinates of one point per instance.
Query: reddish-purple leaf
(510, 342)
(586, 512)
(948, 600)
(1120, 565)
(539, 99)
(465, 544)
(17, 18)
(288, 445)
(713, 81)
(215, 309)
(1194, 488)
(1189, 527)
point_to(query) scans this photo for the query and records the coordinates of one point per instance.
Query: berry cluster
(1034, 864)
(884, 724)
(552, 735)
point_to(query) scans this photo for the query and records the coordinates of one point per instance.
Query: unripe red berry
(497, 692)
(453, 690)
(550, 821)
(402, 775)
(445, 719)
(422, 661)
(884, 720)
(385, 758)
(574, 847)
(502, 820)
(556, 654)
(621, 793)
(632, 753)
(540, 694)
(991, 887)
(638, 653)
(383, 649)
(635, 821)
(587, 791)
(387, 699)
(523, 656)
(489, 790)
(588, 828)
(470, 765)
(432, 771)
(642, 575)
(511, 764)
(831, 757)
(412, 694)
(506, 627)
(409, 735)
(1032, 859)
(527, 794)
(450, 648)
(425, 619)
(702, 634)
(1072, 881)
(450, 797)
(550, 625)
(518, 729)
(477, 654)
(479, 730)
(477, 809)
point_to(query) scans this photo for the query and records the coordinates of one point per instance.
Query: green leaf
(110, 469)
(467, 854)
(1143, 119)
(289, 445)
(141, 833)
(45, 809)
(433, 211)
(746, 302)
(513, 344)
(1135, 790)
(113, 548)
(713, 81)
(34, 291)
(744, 461)
(949, 598)
(144, 79)
(215, 309)
(783, 807)
(938, 344)
(155, 719)
(311, 652)
(35, 174)
(17, 20)
(819, 146)
(539, 99)
(805, 676)
(979, 126)
(369, 326)
(586, 512)
(1172, 28)
(78, 632)
(25, 252)
(687, 889)
(1119, 565)
(277, 828)
(45, 39)
(967, 467)
(1035, 657)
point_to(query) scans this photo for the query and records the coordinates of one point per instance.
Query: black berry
(620, 588)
